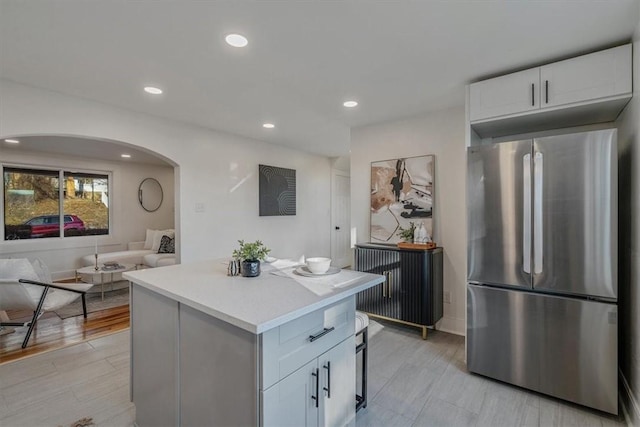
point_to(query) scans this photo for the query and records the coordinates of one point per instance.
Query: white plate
(304, 271)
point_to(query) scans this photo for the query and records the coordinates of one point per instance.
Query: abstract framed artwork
(277, 189)
(402, 191)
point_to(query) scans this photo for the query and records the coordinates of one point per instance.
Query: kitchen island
(209, 349)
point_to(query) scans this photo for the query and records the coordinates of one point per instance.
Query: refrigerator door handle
(538, 176)
(526, 213)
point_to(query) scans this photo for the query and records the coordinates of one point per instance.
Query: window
(35, 202)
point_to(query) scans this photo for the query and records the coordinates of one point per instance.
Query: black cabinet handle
(316, 374)
(328, 387)
(533, 95)
(337, 228)
(312, 338)
(546, 91)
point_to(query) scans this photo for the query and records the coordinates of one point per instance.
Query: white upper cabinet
(589, 77)
(513, 93)
(587, 89)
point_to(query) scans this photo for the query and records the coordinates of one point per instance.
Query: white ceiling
(83, 148)
(303, 60)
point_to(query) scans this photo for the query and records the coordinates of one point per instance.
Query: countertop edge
(264, 326)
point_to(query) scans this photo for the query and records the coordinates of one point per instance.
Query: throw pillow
(158, 236)
(167, 245)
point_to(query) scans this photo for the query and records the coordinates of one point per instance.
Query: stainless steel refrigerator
(542, 265)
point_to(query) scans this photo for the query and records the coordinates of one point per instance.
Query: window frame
(62, 172)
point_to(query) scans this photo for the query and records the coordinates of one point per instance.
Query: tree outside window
(33, 197)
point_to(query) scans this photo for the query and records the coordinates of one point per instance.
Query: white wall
(629, 243)
(441, 133)
(215, 170)
(128, 220)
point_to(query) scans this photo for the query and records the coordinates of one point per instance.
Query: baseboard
(630, 405)
(452, 325)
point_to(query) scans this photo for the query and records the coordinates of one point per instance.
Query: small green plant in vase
(406, 234)
(251, 254)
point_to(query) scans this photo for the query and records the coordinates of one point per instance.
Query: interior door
(340, 219)
(575, 218)
(499, 216)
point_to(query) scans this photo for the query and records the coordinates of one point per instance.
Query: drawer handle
(312, 338)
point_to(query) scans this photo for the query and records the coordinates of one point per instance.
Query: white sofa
(135, 254)
(142, 254)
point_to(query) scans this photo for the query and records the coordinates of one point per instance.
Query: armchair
(26, 285)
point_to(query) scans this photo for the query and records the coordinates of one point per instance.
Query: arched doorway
(82, 160)
(72, 167)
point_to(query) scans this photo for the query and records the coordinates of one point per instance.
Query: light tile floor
(425, 383)
(90, 379)
(411, 383)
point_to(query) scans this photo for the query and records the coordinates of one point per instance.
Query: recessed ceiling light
(126, 156)
(236, 40)
(12, 141)
(350, 104)
(153, 90)
(268, 125)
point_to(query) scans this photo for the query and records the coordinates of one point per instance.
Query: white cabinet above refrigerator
(587, 89)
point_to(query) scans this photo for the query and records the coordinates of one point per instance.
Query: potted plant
(406, 234)
(251, 254)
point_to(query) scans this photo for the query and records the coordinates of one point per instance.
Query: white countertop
(255, 304)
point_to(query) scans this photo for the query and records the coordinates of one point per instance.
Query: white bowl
(318, 265)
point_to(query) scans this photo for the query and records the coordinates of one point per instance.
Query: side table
(92, 271)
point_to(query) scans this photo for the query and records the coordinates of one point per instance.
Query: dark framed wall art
(277, 190)
(402, 191)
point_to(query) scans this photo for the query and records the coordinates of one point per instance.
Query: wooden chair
(26, 285)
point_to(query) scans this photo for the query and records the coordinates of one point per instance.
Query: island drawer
(292, 345)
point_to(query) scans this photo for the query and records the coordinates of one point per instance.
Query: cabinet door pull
(389, 291)
(384, 284)
(316, 374)
(328, 387)
(533, 95)
(324, 332)
(546, 91)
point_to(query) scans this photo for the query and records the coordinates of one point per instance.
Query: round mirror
(150, 194)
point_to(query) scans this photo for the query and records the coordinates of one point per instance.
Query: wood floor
(52, 332)
(412, 382)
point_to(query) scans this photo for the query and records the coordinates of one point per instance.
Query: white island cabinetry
(208, 349)
(327, 379)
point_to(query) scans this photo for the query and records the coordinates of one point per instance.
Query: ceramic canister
(234, 267)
